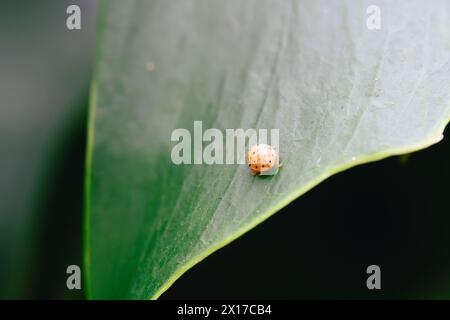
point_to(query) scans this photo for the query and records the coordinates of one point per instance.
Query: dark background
(393, 213)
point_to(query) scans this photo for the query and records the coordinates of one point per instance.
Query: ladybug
(263, 160)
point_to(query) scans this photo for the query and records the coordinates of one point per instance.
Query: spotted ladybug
(263, 160)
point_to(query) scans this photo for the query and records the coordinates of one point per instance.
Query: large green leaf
(340, 94)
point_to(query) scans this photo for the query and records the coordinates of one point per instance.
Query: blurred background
(394, 213)
(45, 71)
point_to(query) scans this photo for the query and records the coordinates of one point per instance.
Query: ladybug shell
(262, 159)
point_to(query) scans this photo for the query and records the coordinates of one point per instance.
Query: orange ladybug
(263, 160)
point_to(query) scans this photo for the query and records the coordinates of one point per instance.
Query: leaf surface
(339, 93)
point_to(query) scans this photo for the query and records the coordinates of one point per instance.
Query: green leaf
(339, 93)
